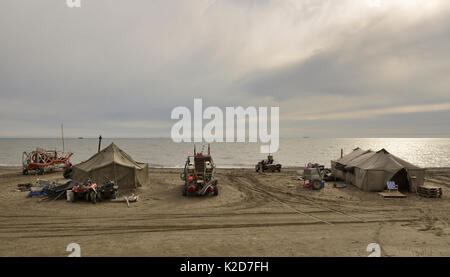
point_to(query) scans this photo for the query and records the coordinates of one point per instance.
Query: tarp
(112, 164)
(372, 170)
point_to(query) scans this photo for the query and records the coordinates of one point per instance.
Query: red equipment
(86, 191)
(42, 160)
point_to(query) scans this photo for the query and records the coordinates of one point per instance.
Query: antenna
(209, 150)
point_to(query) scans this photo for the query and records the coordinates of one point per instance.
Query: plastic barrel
(69, 196)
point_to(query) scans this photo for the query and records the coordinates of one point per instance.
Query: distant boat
(80, 137)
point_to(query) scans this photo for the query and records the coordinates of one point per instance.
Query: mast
(62, 136)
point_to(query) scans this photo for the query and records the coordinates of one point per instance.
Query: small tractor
(198, 176)
(107, 190)
(324, 172)
(314, 178)
(267, 165)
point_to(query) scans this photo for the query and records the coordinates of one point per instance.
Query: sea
(164, 153)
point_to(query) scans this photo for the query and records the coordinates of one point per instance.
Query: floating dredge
(42, 160)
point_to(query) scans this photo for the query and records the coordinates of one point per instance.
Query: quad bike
(199, 177)
(267, 165)
(86, 191)
(107, 190)
(93, 192)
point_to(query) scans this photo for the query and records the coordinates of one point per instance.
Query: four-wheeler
(86, 191)
(42, 160)
(93, 192)
(267, 165)
(198, 176)
(107, 190)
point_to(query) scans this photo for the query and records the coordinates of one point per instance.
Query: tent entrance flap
(401, 180)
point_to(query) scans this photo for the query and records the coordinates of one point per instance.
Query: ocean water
(163, 152)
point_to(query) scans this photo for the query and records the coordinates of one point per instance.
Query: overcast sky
(343, 68)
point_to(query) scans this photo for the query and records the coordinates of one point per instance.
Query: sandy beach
(255, 214)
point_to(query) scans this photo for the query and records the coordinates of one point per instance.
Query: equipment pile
(71, 190)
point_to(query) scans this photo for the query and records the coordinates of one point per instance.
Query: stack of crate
(429, 191)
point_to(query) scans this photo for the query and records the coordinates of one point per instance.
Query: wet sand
(255, 214)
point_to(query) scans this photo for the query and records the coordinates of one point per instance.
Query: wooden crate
(429, 191)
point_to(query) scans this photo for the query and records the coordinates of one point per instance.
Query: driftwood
(126, 199)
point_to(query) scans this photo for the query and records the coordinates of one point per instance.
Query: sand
(255, 214)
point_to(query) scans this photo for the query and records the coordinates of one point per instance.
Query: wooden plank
(395, 194)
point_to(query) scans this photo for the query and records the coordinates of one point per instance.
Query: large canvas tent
(338, 166)
(371, 171)
(112, 164)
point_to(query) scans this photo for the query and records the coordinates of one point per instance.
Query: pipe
(99, 142)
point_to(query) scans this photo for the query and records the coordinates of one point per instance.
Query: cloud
(385, 58)
(370, 113)
(120, 67)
